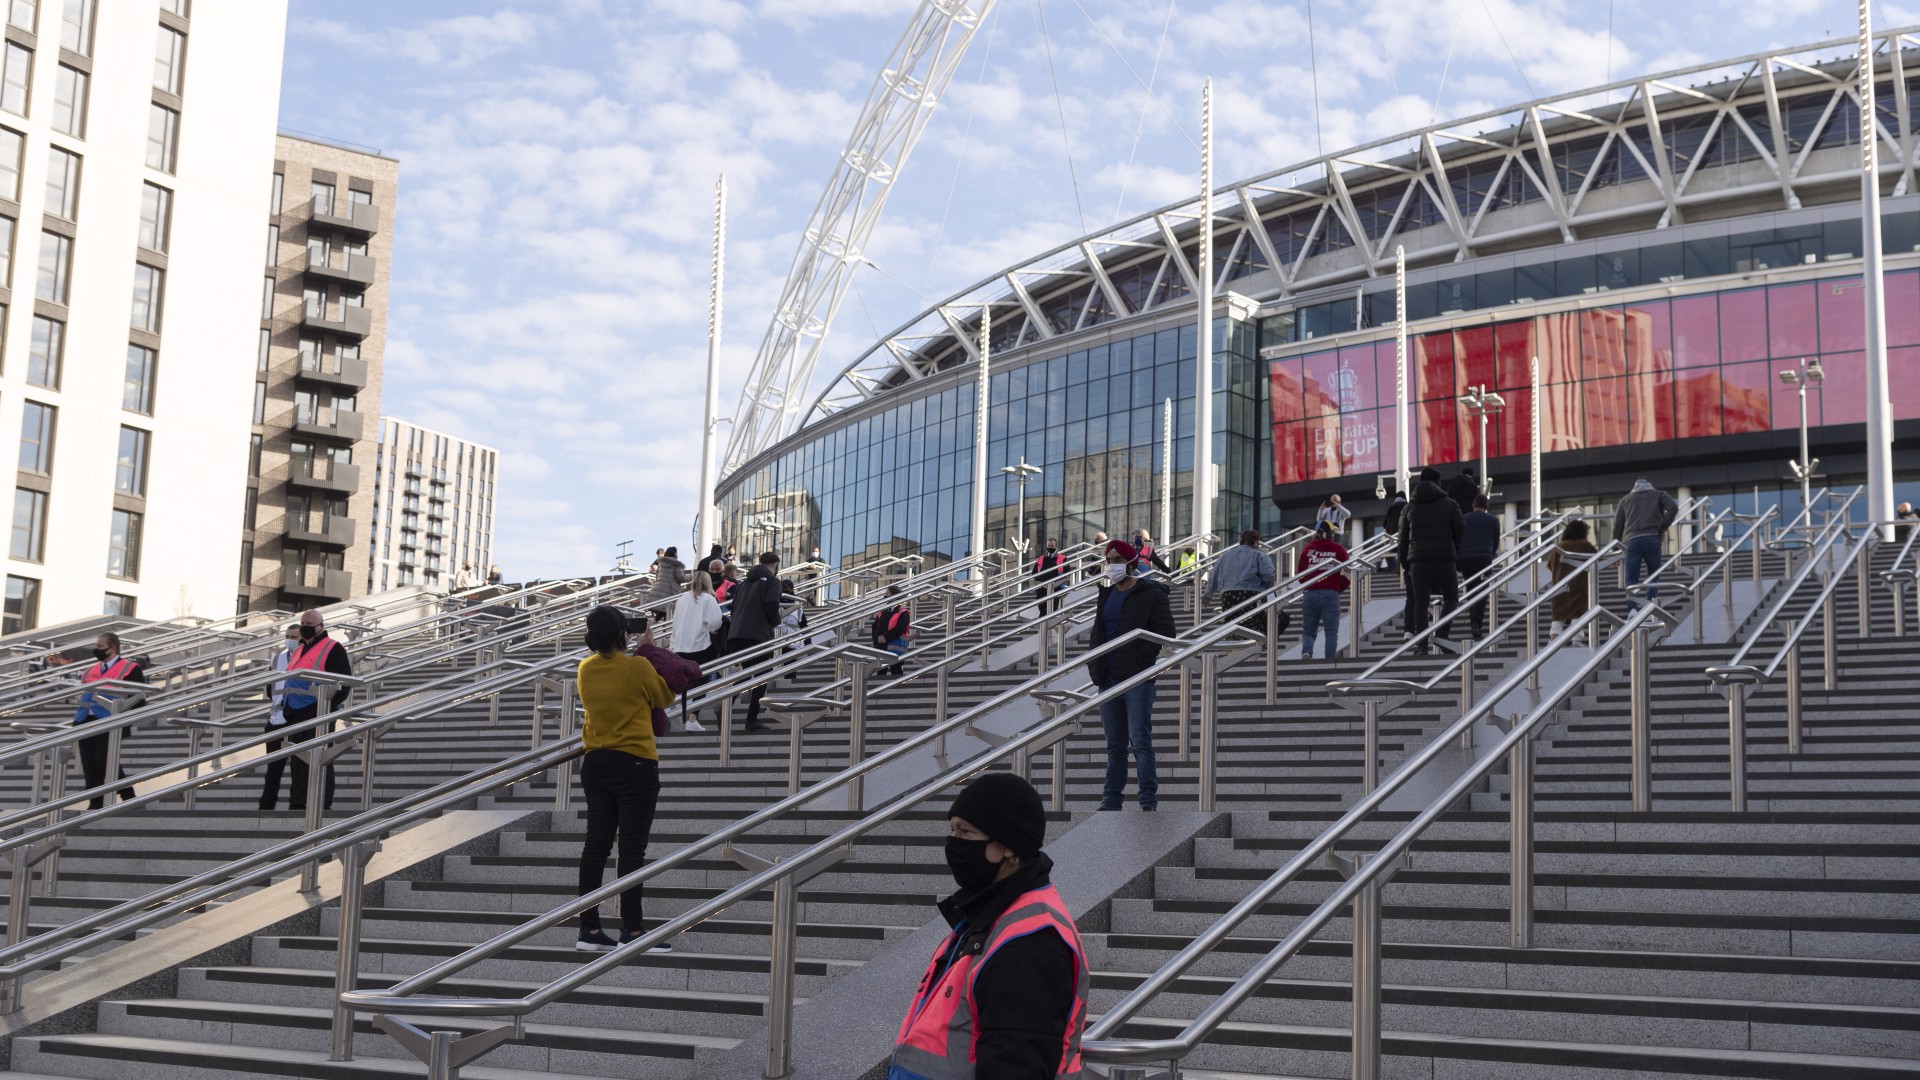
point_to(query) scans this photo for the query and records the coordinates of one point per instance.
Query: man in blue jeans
(1320, 603)
(1640, 523)
(1128, 601)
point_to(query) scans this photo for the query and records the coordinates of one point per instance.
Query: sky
(558, 159)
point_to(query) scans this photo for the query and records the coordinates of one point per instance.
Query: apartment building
(322, 326)
(432, 507)
(135, 136)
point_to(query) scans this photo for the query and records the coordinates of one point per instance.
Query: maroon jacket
(1319, 553)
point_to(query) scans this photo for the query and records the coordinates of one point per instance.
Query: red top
(1319, 553)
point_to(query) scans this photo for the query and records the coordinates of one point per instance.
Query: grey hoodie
(1646, 511)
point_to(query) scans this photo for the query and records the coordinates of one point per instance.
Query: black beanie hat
(1007, 809)
(1430, 475)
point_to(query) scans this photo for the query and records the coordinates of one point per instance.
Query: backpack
(680, 673)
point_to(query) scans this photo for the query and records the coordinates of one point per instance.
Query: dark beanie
(1430, 475)
(1007, 809)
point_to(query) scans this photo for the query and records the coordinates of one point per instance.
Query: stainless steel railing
(1899, 577)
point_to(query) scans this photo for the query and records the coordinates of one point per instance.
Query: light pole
(1483, 403)
(1808, 371)
(1021, 473)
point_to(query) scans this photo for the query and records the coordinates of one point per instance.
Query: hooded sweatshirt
(1431, 529)
(1646, 511)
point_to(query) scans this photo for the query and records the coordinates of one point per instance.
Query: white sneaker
(694, 724)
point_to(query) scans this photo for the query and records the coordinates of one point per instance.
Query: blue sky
(557, 162)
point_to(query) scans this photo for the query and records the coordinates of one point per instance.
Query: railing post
(316, 786)
(1467, 688)
(19, 903)
(563, 771)
(726, 730)
(857, 731)
(1370, 734)
(780, 981)
(1209, 727)
(1864, 594)
(1366, 967)
(1794, 698)
(1640, 666)
(1186, 713)
(1273, 654)
(1520, 854)
(1533, 619)
(1830, 656)
(1737, 745)
(346, 966)
(369, 756)
(57, 790)
(1362, 594)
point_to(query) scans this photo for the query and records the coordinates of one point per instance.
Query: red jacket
(1319, 553)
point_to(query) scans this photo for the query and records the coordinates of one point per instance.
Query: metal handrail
(1821, 549)
(1099, 1046)
(1898, 579)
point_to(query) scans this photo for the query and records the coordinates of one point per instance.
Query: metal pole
(1273, 654)
(316, 787)
(1209, 727)
(1538, 510)
(1166, 470)
(369, 755)
(1186, 712)
(1806, 452)
(50, 868)
(1737, 744)
(1879, 404)
(1640, 673)
(856, 734)
(19, 901)
(793, 756)
(1520, 851)
(346, 967)
(780, 975)
(563, 772)
(1366, 979)
(1794, 699)
(1466, 695)
(726, 730)
(1362, 591)
(440, 1060)
(1370, 736)
(1830, 656)
(980, 405)
(1203, 357)
(1864, 595)
(1402, 443)
(709, 465)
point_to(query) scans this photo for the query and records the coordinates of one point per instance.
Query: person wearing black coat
(756, 611)
(1462, 489)
(1430, 535)
(1130, 602)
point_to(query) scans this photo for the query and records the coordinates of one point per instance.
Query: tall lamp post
(1021, 473)
(1482, 403)
(1808, 371)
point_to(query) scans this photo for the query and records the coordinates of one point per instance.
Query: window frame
(71, 89)
(9, 87)
(174, 61)
(151, 280)
(43, 443)
(81, 40)
(20, 613)
(149, 364)
(54, 359)
(67, 206)
(130, 473)
(124, 540)
(54, 285)
(165, 140)
(156, 217)
(35, 528)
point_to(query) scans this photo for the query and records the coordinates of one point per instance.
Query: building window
(169, 59)
(11, 145)
(317, 253)
(156, 217)
(76, 26)
(266, 349)
(254, 444)
(16, 71)
(279, 194)
(119, 604)
(6, 251)
(29, 525)
(130, 469)
(36, 438)
(45, 351)
(266, 298)
(63, 184)
(137, 396)
(246, 562)
(178, 7)
(313, 302)
(20, 13)
(250, 515)
(56, 266)
(309, 354)
(123, 546)
(23, 605)
(259, 403)
(148, 284)
(273, 245)
(163, 138)
(322, 198)
(70, 102)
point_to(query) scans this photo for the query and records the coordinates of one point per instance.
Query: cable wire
(1127, 173)
(1313, 59)
(966, 135)
(1501, 34)
(1171, 118)
(1060, 105)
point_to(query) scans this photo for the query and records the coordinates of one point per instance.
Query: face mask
(972, 870)
(1050, 549)
(100, 655)
(1116, 571)
(307, 633)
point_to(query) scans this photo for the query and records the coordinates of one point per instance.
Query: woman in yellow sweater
(621, 770)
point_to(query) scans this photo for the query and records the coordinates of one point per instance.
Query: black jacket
(756, 606)
(1145, 607)
(1431, 529)
(886, 631)
(1461, 489)
(1396, 510)
(1482, 537)
(1024, 997)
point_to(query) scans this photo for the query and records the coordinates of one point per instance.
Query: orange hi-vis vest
(93, 706)
(299, 692)
(939, 1039)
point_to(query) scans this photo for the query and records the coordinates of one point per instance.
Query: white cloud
(456, 42)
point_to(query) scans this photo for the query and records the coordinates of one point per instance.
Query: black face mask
(1050, 549)
(100, 655)
(308, 633)
(972, 870)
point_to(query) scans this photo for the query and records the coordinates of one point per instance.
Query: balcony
(349, 374)
(413, 469)
(322, 474)
(353, 269)
(316, 581)
(321, 529)
(329, 423)
(360, 219)
(354, 322)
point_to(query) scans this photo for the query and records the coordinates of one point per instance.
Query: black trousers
(1469, 568)
(1051, 595)
(735, 645)
(1429, 580)
(621, 790)
(93, 766)
(297, 794)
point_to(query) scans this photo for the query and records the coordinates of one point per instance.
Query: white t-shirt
(695, 617)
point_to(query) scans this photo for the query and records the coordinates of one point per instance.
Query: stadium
(1666, 246)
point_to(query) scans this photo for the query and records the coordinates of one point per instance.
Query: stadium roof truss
(1769, 129)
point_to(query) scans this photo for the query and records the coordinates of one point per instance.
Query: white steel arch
(896, 113)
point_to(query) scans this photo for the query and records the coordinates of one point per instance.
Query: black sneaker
(1149, 808)
(596, 941)
(658, 950)
(1109, 806)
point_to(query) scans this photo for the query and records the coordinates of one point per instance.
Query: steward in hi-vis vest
(300, 702)
(1005, 995)
(108, 664)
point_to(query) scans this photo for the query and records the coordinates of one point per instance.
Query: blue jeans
(1643, 549)
(1320, 610)
(1129, 723)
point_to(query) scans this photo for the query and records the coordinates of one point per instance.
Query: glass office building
(1663, 254)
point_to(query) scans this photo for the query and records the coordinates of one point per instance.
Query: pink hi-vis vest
(939, 1039)
(93, 706)
(300, 692)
